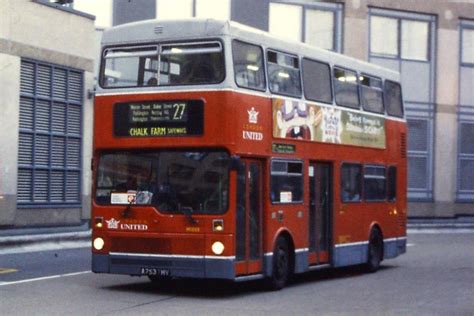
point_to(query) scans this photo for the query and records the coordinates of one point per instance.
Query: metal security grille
(50, 140)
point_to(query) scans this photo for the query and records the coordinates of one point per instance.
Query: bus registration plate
(154, 271)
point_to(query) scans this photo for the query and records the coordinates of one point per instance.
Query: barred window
(50, 137)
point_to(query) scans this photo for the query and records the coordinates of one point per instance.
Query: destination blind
(159, 118)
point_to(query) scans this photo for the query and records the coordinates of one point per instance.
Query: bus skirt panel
(165, 266)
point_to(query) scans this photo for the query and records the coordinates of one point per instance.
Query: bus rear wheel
(280, 265)
(375, 253)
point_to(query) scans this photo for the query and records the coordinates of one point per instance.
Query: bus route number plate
(154, 271)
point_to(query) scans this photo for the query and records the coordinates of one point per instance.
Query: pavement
(20, 240)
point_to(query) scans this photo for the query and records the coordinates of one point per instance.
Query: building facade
(431, 43)
(48, 53)
(46, 71)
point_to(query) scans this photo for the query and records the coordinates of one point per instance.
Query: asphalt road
(435, 277)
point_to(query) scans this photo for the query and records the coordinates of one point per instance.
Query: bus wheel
(375, 254)
(281, 265)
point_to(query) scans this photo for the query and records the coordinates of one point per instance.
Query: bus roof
(150, 31)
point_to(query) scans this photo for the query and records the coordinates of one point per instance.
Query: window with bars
(315, 23)
(465, 154)
(406, 42)
(50, 137)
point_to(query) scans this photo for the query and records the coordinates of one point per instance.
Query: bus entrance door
(319, 211)
(249, 217)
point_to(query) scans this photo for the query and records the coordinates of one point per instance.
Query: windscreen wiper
(188, 212)
(128, 210)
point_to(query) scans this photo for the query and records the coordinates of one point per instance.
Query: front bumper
(200, 267)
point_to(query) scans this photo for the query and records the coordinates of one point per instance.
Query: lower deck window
(392, 183)
(374, 183)
(286, 181)
(351, 182)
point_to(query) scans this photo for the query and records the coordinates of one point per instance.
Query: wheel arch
(375, 226)
(285, 233)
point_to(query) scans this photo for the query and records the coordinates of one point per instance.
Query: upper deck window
(284, 74)
(248, 65)
(317, 81)
(172, 64)
(371, 94)
(345, 86)
(393, 98)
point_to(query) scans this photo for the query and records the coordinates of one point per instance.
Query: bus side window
(346, 88)
(351, 182)
(317, 81)
(392, 184)
(371, 94)
(248, 65)
(393, 98)
(283, 74)
(286, 181)
(375, 183)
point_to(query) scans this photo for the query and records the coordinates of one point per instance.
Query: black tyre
(281, 270)
(159, 281)
(375, 254)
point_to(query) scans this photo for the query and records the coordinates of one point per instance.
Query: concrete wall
(355, 27)
(41, 32)
(9, 121)
(125, 11)
(251, 12)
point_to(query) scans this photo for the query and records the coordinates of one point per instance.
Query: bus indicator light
(99, 222)
(218, 225)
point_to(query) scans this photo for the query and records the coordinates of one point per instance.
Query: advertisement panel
(300, 120)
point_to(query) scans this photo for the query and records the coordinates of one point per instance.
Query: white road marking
(44, 278)
(414, 231)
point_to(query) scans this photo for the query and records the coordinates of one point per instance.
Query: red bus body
(142, 240)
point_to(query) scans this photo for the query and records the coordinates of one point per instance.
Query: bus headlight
(217, 248)
(98, 243)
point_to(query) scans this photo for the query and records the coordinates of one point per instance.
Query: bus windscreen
(169, 180)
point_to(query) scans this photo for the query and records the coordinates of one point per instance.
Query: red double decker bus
(222, 152)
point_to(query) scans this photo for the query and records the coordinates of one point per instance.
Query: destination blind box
(159, 118)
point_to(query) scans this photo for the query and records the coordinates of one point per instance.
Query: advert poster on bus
(300, 120)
